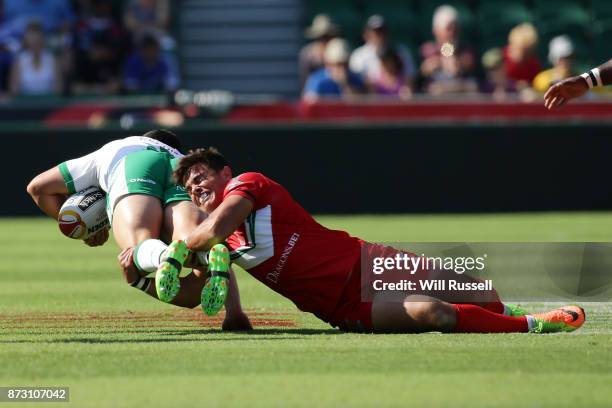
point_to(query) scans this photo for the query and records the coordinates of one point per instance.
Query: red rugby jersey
(282, 246)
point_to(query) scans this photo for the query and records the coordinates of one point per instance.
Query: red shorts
(354, 310)
(351, 314)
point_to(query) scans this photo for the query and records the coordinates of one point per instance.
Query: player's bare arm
(49, 191)
(605, 71)
(220, 223)
(576, 86)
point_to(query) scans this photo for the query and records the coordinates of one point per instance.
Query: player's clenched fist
(98, 239)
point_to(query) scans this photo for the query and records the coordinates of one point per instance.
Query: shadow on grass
(124, 341)
(167, 336)
(255, 332)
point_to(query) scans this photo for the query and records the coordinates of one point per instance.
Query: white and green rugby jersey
(96, 168)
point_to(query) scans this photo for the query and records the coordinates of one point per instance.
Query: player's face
(205, 186)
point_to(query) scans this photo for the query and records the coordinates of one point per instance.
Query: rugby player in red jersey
(273, 238)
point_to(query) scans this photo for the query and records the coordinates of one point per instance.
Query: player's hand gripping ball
(83, 214)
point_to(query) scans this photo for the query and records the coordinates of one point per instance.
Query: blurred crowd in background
(86, 47)
(445, 65)
(111, 47)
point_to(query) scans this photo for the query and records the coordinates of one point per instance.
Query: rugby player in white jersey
(143, 205)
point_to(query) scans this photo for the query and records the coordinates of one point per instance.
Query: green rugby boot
(167, 282)
(515, 310)
(216, 287)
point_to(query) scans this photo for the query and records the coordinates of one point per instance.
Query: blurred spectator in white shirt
(447, 67)
(365, 60)
(35, 70)
(320, 32)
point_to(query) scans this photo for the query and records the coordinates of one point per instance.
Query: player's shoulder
(249, 178)
(123, 142)
(253, 186)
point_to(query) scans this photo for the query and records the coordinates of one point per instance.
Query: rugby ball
(83, 214)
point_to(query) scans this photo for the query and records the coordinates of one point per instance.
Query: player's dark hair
(210, 157)
(166, 137)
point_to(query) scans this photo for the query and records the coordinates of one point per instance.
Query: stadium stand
(244, 46)
(251, 47)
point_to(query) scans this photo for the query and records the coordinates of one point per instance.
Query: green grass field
(66, 319)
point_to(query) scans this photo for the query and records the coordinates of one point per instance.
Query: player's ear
(226, 172)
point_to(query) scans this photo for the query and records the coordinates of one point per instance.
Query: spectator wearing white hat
(335, 80)
(366, 60)
(447, 66)
(561, 56)
(320, 32)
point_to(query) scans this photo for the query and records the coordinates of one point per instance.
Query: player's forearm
(605, 71)
(232, 302)
(49, 204)
(205, 236)
(223, 221)
(48, 191)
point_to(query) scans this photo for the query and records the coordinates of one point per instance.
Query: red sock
(475, 319)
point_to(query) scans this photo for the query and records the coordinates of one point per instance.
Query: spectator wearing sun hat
(320, 32)
(335, 79)
(561, 56)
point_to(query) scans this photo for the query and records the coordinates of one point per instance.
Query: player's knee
(435, 315)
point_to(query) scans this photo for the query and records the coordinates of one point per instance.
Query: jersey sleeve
(80, 173)
(251, 186)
